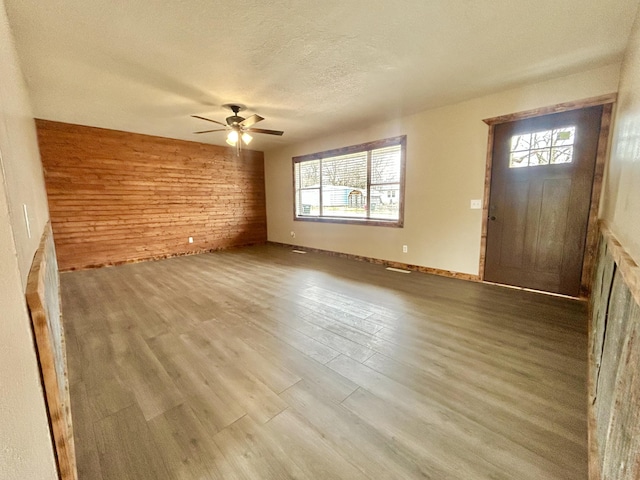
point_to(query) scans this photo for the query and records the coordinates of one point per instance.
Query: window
(359, 184)
(542, 148)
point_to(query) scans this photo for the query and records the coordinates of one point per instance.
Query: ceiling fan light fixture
(246, 138)
(232, 138)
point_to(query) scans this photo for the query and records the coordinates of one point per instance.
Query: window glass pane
(345, 170)
(309, 174)
(539, 157)
(562, 155)
(542, 148)
(521, 142)
(541, 139)
(564, 136)
(309, 202)
(385, 165)
(385, 202)
(343, 201)
(344, 185)
(519, 159)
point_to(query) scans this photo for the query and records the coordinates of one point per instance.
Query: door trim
(601, 156)
(558, 108)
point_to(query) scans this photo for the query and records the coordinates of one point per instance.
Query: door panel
(553, 225)
(542, 176)
(513, 248)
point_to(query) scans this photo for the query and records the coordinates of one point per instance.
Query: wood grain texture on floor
(257, 363)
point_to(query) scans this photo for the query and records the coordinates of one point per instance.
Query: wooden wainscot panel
(44, 305)
(617, 317)
(600, 304)
(622, 454)
(614, 364)
(117, 197)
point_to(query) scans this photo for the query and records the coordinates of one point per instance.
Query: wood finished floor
(259, 363)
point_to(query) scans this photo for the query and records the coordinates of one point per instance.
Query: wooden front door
(541, 182)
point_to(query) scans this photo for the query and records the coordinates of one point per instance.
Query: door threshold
(552, 294)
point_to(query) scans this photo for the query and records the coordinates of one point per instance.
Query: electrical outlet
(405, 249)
(476, 204)
(293, 234)
(190, 239)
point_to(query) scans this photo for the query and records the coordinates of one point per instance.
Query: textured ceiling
(308, 67)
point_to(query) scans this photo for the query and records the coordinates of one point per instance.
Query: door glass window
(542, 148)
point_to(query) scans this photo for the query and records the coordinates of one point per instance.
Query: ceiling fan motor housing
(234, 119)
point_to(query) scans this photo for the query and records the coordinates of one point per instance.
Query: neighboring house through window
(361, 184)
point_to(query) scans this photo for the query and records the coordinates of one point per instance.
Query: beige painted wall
(22, 168)
(446, 157)
(25, 444)
(621, 200)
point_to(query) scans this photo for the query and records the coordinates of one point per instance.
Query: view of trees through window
(542, 148)
(362, 184)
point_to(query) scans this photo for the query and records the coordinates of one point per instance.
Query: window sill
(352, 221)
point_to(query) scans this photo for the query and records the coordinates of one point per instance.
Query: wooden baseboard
(386, 263)
(157, 257)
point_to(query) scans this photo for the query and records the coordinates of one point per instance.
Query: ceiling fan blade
(209, 120)
(252, 120)
(209, 131)
(262, 130)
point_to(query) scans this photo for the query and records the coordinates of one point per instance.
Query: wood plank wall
(614, 364)
(117, 197)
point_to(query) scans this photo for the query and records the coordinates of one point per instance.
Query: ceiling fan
(238, 127)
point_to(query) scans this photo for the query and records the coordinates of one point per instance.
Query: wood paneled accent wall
(117, 197)
(614, 365)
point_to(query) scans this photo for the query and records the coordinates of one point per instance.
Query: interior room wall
(445, 169)
(116, 197)
(614, 340)
(25, 444)
(23, 170)
(621, 198)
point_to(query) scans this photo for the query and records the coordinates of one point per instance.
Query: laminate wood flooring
(259, 363)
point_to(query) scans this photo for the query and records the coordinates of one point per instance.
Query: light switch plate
(476, 204)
